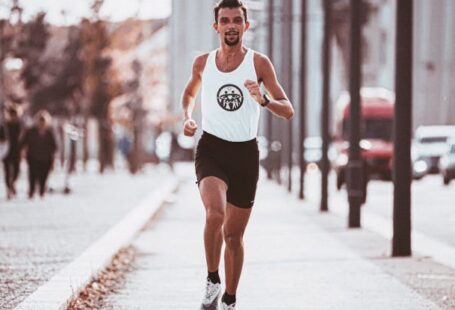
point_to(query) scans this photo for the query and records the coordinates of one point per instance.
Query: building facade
(434, 52)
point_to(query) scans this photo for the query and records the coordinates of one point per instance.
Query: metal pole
(289, 24)
(269, 115)
(303, 67)
(326, 53)
(354, 169)
(282, 129)
(401, 242)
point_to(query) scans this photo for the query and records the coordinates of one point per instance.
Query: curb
(68, 282)
(439, 251)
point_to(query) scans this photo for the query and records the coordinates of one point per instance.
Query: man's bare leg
(235, 223)
(213, 194)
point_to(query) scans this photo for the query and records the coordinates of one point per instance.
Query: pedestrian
(10, 132)
(227, 156)
(40, 147)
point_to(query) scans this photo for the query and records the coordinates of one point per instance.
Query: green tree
(30, 48)
(60, 91)
(99, 85)
(9, 28)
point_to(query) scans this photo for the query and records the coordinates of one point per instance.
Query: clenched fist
(255, 91)
(189, 127)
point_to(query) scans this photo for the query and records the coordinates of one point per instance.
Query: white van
(447, 163)
(430, 143)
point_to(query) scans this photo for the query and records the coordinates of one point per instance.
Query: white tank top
(228, 110)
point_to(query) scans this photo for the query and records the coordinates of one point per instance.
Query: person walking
(227, 155)
(10, 132)
(40, 146)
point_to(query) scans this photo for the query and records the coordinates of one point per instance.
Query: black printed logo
(230, 97)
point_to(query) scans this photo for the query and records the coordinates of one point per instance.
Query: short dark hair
(232, 4)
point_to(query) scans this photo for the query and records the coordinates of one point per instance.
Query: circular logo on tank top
(230, 97)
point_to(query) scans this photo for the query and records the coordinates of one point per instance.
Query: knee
(232, 241)
(214, 219)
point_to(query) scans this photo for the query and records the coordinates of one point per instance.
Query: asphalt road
(433, 204)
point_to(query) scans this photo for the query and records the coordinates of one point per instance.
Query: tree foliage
(341, 20)
(64, 79)
(99, 85)
(30, 47)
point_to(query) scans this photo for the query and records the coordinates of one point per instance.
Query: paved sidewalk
(40, 237)
(290, 263)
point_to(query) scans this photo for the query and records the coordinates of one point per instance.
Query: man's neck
(231, 51)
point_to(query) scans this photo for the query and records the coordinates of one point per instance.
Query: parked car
(419, 166)
(419, 169)
(377, 106)
(447, 163)
(431, 143)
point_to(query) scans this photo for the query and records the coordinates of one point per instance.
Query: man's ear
(247, 26)
(215, 26)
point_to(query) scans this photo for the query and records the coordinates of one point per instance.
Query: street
(433, 204)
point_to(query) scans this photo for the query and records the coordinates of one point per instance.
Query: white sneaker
(230, 307)
(212, 294)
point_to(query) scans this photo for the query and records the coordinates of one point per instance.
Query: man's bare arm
(189, 94)
(279, 103)
(193, 85)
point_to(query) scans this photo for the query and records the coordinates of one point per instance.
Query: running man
(227, 156)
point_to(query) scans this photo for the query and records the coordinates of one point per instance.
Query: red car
(377, 106)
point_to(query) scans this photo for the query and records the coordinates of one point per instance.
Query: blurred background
(98, 67)
(111, 73)
(101, 80)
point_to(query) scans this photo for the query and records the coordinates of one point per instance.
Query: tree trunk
(106, 146)
(73, 156)
(61, 137)
(85, 154)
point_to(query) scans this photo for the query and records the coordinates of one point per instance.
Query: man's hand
(255, 91)
(189, 127)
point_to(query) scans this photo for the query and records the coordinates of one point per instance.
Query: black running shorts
(236, 163)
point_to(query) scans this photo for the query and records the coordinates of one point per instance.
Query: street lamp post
(355, 165)
(303, 67)
(401, 242)
(269, 115)
(326, 54)
(289, 66)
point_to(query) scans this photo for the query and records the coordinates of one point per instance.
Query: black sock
(214, 277)
(228, 299)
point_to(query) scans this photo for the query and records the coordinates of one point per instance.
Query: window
(433, 140)
(372, 128)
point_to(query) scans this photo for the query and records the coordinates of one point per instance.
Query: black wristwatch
(266, 100)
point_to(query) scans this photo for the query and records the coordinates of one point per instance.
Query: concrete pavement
(291, 262)
(432, 212)
(39, 238)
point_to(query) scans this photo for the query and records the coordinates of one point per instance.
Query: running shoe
(212, 294)
(230, 307)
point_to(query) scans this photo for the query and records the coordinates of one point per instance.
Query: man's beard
(232, 43)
